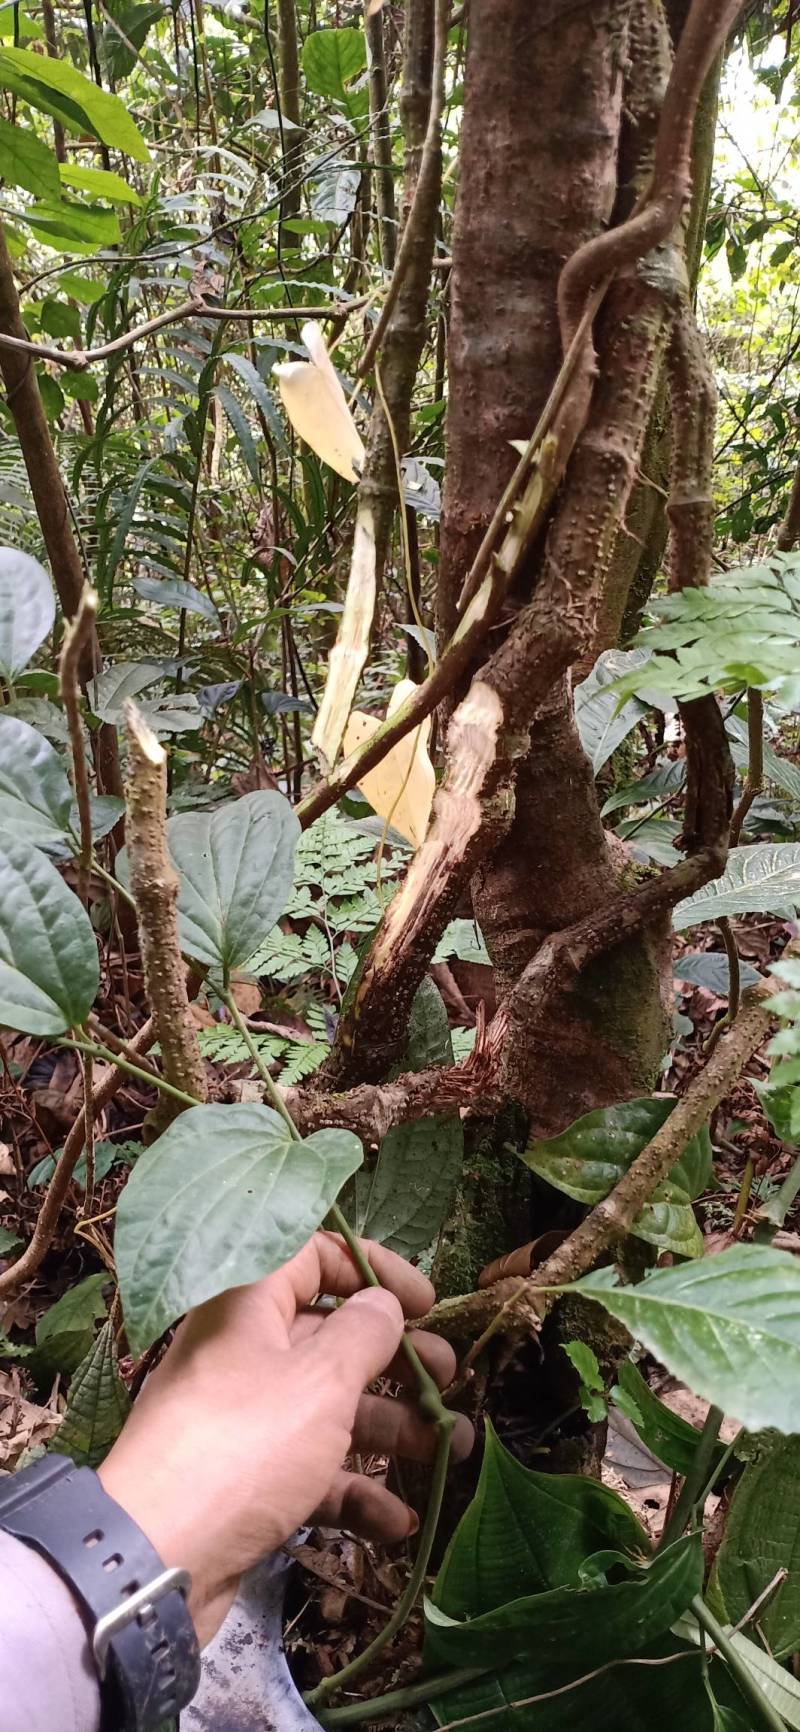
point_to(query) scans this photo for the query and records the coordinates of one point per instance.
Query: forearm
(47, 1678)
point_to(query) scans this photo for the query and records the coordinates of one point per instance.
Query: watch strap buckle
(135, 1607)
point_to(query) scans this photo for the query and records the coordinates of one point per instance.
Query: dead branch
(47, 1221)
(154, 885)
(77, 633)
(373, 1109)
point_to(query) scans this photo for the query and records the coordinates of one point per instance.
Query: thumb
(358, 1340)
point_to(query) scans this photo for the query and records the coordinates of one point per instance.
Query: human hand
(241, 1432)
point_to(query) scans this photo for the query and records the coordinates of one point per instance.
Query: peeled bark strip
(350, 651)
(154, 886)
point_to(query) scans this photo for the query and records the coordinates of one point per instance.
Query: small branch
(766, 1715)
(754, 780)
(36, 1250)
(77, 633)
(695, 1480)
(428, 176)
(381, 135)
(77, 360)
(371, 1110)
(88, 1134)
(789, 532)
(154, 883)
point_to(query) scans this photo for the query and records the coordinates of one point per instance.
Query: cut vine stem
(430, 1402)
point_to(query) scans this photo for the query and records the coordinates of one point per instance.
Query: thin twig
(695, 1480)
(428, 174)
(47, 1221)
(754, 780)
(77, 633)
(77, 360)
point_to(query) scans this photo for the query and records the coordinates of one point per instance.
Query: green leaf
(56, 87)
(109, 689)
(9, 1241)
(135, 22)
(100, 183)
(235, 867)
(250, 377)
(763, 879)
(49, 971)
(778, 1685)
(781, 771)
(762, 1536)
(463, 939)
(585, 1362)
(589, 1158)
(126, 516)
(660, 784)
(672, 1439)
(710, 968)
(176, 593)
(406, 1199)
(601, 722)
(75, 227)
(332, 59)
(35, 795)
(98, 1404)
(27, 609)
(25, 161)
(526, 1533)
(106, 1156)
(601, 1623)
(243, 432)
(65, 1333)
(728, 1326)
(223, 1197)
(59, 319)
(622, 1699)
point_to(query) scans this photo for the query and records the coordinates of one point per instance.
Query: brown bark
(381, 135)
(789, 532)
(289, 97)
(24, 400)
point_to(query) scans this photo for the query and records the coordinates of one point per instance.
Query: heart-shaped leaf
(97, 1406)
(728, 1326)
(27, 609)
(236, 866)
(35, 795)
(49, 970)
(528, 1532)
(224, 1197)
(589, 1158)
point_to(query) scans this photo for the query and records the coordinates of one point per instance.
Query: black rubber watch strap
(153, 1663)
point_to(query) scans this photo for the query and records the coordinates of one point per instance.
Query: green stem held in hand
(430, 1402)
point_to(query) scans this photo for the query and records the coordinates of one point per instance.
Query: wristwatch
(140, 1631)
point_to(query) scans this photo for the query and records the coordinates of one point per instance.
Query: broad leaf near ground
(405, 1200)
(223, 1197)
(49, 970)
(589, 1158)
(599, 1622)
(97, 1404)
(727, 1326)
(762, 1536)
(175, 593)
(27, 609)
(601, 723)
(35, 794)
(236, 867)
(526, 1532)
(709, 968)
(65, 1333)
(762, 879)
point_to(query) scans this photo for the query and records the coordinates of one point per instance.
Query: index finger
(326, 1266)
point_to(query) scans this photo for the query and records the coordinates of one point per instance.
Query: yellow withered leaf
(351, 648)
(401, 787)
(317, 407)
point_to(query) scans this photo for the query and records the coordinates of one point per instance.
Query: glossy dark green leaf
(670, 1437)
(35, 794)
(106, 1156)
(589, 1158)
(134, 25)
(236, 867)
(762, 1536)
(709, 968)
(728, 1326)
(49, 971)
(97, 1404)
(405, 1200)
(27, 162)
(332, 59)
(223, 1197)
(59, 89)
(527, 1532)
(27, 609)
(65, 1333)
(599, 1622)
